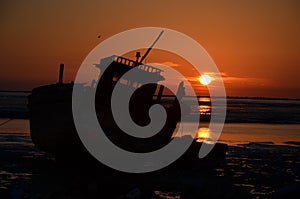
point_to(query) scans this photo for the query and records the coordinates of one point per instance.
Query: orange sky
(255, 44)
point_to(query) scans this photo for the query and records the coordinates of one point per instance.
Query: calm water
(247, 110)
(13, 105)
(239, 110)
(263, 111)
(247, 120)
(243, 133)
(258, 169)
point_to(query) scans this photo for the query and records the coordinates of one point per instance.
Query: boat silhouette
(52, 126)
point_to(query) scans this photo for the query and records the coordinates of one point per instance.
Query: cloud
(169, 63)
(245, 80)
(192, 79)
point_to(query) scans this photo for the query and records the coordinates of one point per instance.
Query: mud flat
(252, 170)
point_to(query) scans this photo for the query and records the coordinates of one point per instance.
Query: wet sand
(253, 170)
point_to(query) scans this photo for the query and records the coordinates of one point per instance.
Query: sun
(205, 79)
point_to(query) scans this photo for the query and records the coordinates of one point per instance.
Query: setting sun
(205, 79)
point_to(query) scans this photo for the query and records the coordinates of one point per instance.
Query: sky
(255, 44)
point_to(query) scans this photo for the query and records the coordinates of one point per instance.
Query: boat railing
(123, 60)
(149, 69)
(143, 67)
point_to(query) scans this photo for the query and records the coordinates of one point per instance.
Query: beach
(194, 99)
(260, 169)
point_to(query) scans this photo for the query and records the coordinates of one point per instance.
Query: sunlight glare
(205, 79)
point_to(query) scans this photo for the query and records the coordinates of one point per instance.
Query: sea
(263, 154)
(263, 120)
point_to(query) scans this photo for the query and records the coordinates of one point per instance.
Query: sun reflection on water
(204, 110)
(205, 135)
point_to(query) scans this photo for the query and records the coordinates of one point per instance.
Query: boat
(52, 128)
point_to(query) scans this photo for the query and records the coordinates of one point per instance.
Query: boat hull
(52, 130)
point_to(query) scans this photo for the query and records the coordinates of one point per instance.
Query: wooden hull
(51, 122)
(53, 130)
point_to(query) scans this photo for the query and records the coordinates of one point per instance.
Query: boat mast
(149, 49)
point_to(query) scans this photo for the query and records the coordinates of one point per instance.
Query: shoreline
(249, 171)
(259, 169)
(233, 134)
(198, 96)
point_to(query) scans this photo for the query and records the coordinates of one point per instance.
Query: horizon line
(230, 97)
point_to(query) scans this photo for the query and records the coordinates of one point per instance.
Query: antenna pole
(150, 48)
